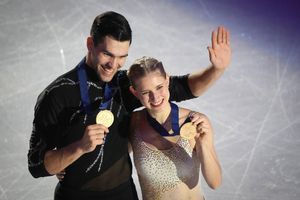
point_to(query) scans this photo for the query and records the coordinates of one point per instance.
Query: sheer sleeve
(179, 88)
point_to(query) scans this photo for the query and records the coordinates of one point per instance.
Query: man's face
(108, 56)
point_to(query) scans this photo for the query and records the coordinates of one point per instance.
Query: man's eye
(145, 93)
(106, 54)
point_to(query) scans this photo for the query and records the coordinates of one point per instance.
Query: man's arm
(49, 162)
(44, 158)
(56, 161)
(220, 57)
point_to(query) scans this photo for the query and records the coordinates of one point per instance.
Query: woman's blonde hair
(143, 66)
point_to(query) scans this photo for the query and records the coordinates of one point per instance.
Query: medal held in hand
(105, 117)
(188, 131)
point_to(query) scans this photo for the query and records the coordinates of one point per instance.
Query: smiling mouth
(157, 104)
(107, 70)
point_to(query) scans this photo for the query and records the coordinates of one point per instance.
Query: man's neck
(88, 60)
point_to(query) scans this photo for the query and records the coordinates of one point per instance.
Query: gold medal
(105, 117)
(188, 131)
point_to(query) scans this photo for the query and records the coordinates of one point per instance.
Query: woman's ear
(133, 91)
(168, 80)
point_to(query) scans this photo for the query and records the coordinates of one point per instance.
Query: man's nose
(113, 63)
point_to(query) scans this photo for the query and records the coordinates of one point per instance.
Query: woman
(168, 165)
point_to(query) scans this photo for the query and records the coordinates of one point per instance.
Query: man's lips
(107, 70)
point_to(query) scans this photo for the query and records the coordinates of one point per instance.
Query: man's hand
(93, 136)
(220, 51)
(220, 57)
(57, 160)
(61, 175)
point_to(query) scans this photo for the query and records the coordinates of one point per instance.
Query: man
(65, 134)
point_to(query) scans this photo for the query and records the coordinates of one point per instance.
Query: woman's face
(153, 91)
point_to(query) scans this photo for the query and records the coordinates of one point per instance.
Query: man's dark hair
(110, 24)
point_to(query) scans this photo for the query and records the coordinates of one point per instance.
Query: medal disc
(105, 117)
(188, 131)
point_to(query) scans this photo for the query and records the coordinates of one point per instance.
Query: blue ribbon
(84, 94)
(175, 122)
(84, 90)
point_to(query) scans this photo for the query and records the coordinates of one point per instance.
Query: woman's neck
(161, 116)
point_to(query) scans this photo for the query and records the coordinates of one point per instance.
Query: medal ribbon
(84, 90)
(84, 94)
(175, 122)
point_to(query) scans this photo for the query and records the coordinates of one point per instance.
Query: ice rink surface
(254, 107)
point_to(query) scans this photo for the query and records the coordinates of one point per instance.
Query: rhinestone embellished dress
(166, 174)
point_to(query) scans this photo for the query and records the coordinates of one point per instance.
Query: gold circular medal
(188, 131)
(105, 117)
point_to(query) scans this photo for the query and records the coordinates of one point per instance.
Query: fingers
(94, 135)
(212, 55)
(224, 34)
(214, 39)
(196, 118)
(60, 176)
(96, 131)
(227, 37)
(220, 36)
(197, 136)
(200, 121)
(202, 130)
(96, 127)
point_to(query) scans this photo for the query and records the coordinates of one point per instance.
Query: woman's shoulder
(184, 113)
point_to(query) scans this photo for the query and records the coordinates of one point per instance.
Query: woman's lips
(157, 104)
